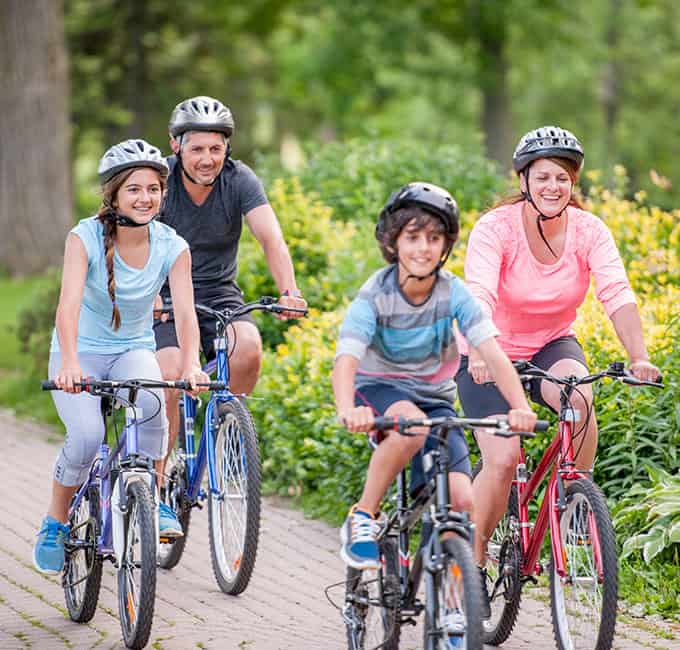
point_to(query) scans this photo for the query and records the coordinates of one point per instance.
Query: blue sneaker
(48, 552)
(358, 535)
(168, 523)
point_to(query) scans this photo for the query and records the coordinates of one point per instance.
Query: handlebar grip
(383, 423)
(48, 385)
(541, 425)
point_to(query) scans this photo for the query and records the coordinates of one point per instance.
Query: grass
(18, 392)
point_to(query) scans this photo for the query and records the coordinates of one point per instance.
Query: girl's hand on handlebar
(294, 300)
(521, 419)
(194, 375)
(358, 418)
(644, 371)
(68, 376)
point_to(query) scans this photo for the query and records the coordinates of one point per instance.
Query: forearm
(66, 323)
(344, 372)
(628, 326)
(188, 337)
(504, 374)
(280, 265)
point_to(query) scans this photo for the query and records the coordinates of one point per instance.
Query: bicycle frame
(561, 447)
(196, 462)
(102, 474)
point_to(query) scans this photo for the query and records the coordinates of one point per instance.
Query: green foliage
(653, 511)
(330, 257)
(356, 177)
(305, 452)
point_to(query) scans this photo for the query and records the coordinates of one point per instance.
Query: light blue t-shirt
(136, 290)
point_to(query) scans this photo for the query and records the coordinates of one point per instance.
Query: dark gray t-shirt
(213, 229)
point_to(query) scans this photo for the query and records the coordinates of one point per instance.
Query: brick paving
(284, 607)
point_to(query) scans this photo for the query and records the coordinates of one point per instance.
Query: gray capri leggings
(82, 417)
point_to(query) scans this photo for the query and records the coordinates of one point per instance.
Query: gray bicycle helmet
(547, 142)
(201, 114)
(129, 154)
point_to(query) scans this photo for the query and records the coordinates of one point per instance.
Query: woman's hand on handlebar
(522, 419)
(194, 375)
(357, 418)
(644, 370)
(69, 374)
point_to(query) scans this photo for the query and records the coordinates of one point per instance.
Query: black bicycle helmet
(201, 114)
(547, 142)
(431, 198)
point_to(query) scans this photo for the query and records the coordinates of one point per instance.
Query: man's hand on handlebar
(292, 299)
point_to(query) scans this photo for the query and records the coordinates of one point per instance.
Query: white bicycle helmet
(129, 154)
(201, 114)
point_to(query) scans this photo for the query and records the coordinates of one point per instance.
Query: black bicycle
(378, 603)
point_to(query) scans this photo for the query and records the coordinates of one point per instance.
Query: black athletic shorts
(482, 400)
(166, 336)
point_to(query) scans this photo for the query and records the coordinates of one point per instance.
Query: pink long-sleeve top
(533, 303)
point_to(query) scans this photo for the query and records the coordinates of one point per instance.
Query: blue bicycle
(114, 516)
(229, 447)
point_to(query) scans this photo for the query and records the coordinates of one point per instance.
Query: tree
(35, 192)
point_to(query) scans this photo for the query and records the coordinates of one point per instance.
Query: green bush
(355, 177)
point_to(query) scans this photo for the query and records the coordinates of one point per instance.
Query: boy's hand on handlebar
(293, 299)
(68, 376)
(521, 419)
(194, 375)
(644, 371)
(358, 418)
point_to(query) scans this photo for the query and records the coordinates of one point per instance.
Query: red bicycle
(583, 568)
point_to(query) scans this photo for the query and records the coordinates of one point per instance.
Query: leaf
(654, 545)
(674, 533)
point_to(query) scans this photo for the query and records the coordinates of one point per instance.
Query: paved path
(284, 608)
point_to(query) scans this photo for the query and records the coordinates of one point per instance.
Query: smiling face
(420, 248)
(550, 185)
(139, 196)
(203, 154)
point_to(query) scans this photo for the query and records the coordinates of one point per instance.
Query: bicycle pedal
(409, 621)
(531, 579)
(166, 540)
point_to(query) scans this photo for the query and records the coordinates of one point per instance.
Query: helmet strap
(125, 221)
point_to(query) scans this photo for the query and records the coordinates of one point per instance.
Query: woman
(530, 261)
(114, 265)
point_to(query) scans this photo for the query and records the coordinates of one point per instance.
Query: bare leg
(390, 457)
(61, 498)
(492, 485)
(246, 357)
(169, 360)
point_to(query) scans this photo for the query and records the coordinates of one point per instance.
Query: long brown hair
(569, 166)
(106, 214)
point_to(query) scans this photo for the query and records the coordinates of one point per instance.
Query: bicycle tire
(169, 554)
(378, 626)
(503, 548)
(136, 603)
(586, 507)
(82, 579)
(237, 458)
(457, 600)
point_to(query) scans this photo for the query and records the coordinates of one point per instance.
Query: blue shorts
(380, 397)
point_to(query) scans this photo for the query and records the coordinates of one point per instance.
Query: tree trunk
(489, 20)
(35, 189)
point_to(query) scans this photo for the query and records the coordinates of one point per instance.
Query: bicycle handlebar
(265, 303)
(401, 425)
(94, 385)
(616, 370)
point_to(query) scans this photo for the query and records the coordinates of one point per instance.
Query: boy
(397, 354)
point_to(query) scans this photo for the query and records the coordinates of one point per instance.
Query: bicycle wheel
(82, 575)
(504, 560)
(173, 494)
(234, 513)
(457, 601)
(372, 603)
(583, 604)
(137, 572)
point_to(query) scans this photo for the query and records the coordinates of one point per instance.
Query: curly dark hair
(398, 220)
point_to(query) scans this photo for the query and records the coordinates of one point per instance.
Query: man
(208, 196)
